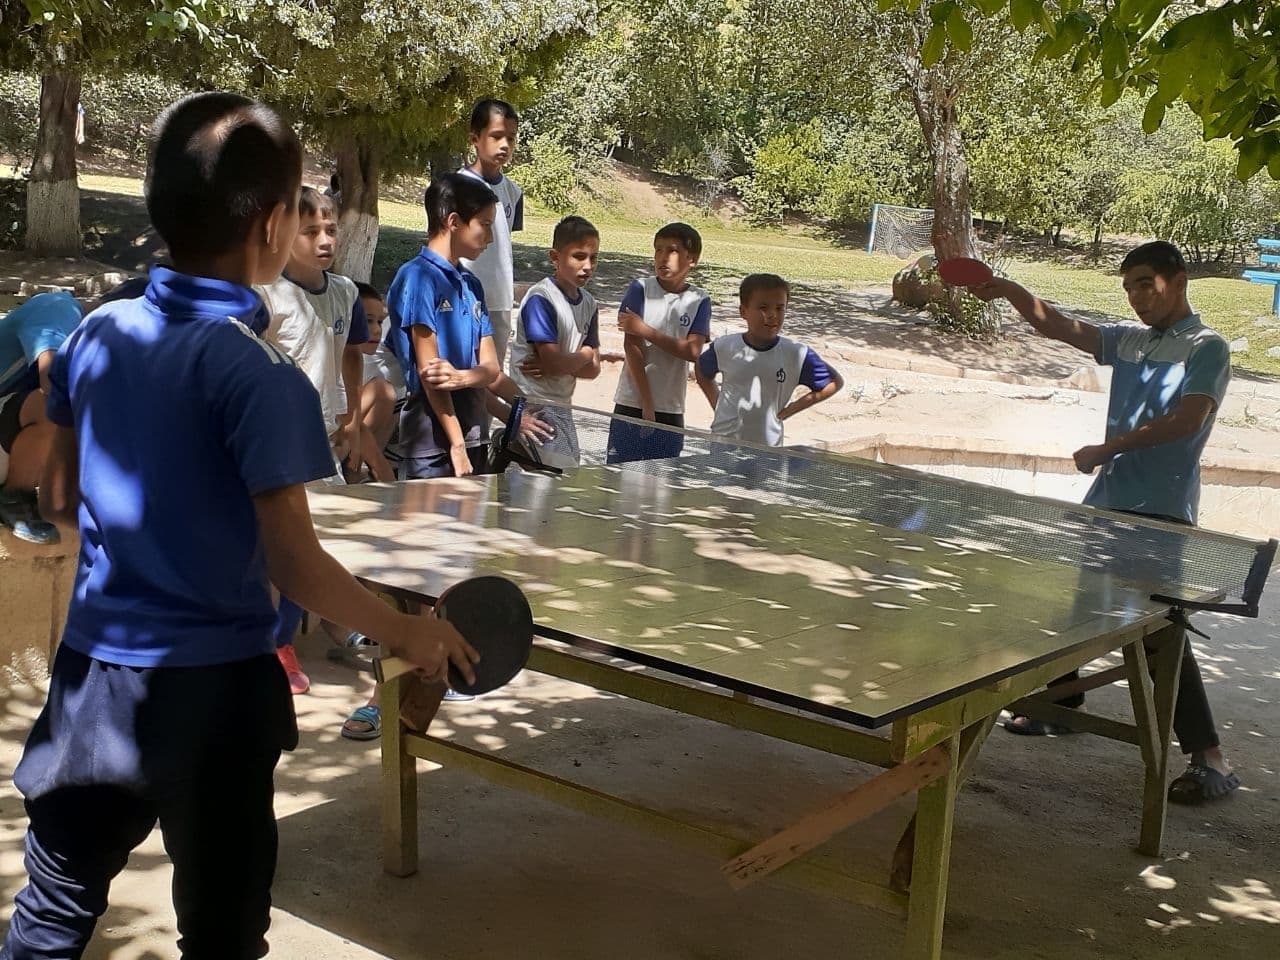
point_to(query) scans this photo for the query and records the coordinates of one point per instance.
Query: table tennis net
(1206, 569)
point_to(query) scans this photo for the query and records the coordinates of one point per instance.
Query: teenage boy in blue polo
(181, 447)
(1170, 373)
(439, 330)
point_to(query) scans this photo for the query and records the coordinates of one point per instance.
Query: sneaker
(299, 682)
(18, 512)
(453, 696)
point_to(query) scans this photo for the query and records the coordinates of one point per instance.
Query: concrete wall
(35, 588)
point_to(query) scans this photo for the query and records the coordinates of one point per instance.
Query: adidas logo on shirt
(444, 305)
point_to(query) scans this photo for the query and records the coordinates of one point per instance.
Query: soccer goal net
(900, 231)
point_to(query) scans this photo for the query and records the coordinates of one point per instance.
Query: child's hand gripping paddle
(493, 616)
(964, 272)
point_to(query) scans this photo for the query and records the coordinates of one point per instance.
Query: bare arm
(549, 360)
(707, 385)
(305, 573)
(813, 396)
(1183, 421)
(44, 363)
(683, 348)
(352, 375)
(1046, 319)
(59, 494)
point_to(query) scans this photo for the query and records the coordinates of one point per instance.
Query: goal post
(900, 231)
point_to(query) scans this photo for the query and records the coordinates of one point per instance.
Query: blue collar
(177, 294)
(441, 264)
(482, 178)
(1190, 321)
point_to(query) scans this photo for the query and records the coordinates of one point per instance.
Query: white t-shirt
(383, 365)
(677, 315)
(311, 328)
(554, 320)
(495, 266)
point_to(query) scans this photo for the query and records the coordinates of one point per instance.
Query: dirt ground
(1043, 865)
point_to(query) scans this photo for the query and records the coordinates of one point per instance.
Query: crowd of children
(279, 372)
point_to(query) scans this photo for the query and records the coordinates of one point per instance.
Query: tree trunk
(357, 158)
(1057, 234)
(952, 216)
(53, 194)
(1097, 240)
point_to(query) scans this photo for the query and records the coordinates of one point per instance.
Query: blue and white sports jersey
(431, 292)
(37, 326)
(548, 316)
(756, 384)
(677, 315)
(1152, 371)
(182, 415)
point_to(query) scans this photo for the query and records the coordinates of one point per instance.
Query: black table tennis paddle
(493, 616)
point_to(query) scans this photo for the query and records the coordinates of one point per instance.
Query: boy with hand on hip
(666, 323)
(494, 130)
(181, 448)
(760, 369)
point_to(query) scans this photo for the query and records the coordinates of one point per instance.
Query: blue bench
(1270, 258)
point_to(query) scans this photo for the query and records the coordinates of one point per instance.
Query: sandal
(370, 716)
(1198, 785)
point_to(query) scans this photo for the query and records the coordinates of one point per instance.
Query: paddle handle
(386, 669)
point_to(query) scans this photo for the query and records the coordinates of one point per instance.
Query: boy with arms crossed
(666, 323)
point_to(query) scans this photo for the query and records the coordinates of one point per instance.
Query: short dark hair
(455, 193)
(1160, 255)
(759, 282)
(312, 202)
(684, 235)
(482, 113)
(571, 230)
(218, 162)
(367, 290)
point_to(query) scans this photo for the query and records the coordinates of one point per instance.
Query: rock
(1274, 353)
(95, 286)
(1239, 345)
(911, 290)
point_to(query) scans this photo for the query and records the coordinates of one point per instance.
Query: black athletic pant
(118, 749)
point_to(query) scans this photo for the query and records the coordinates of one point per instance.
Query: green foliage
(547, 173)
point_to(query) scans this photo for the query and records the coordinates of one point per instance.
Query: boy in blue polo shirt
(182, 445)
(1170, 373)
(439, 331)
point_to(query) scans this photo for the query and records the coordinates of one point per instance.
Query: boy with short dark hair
(760, 369)
(666, 323)
(317, 320)
(182, 445)
(1170, 377)
(493, 133)
(383, 386)
(557, 338)
(440, 333)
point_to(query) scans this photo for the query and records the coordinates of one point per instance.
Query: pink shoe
(299, 682)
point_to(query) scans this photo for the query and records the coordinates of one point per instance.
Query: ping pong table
(872, 612)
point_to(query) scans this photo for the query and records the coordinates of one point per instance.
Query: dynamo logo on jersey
(781, 375)
(339, 325)
(685, 320)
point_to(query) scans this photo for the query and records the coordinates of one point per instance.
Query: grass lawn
(1230, 306)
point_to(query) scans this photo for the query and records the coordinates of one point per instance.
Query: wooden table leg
(971, 741)
(1153, 704)
(927, 908)
(399, 787)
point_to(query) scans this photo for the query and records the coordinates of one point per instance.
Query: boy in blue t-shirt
(666, 323)
(181, 448)
(439, 331)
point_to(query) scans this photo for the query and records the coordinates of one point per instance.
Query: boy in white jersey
(494, 129)
(556, 342)
(667, 322)
(760, 369)
(317, 320)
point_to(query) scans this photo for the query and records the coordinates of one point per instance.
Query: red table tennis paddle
(964, 272)
(493, 616)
